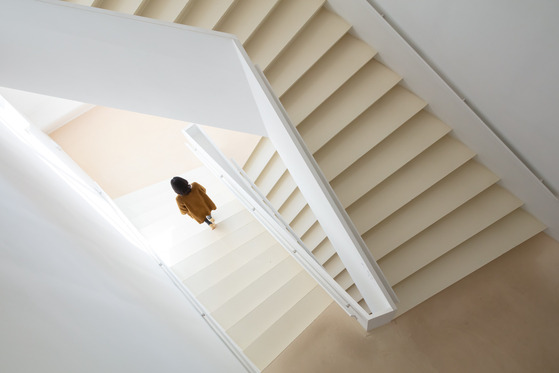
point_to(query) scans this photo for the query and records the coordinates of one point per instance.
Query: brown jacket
(196, 204)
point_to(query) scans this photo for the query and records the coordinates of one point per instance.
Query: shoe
(213, 226)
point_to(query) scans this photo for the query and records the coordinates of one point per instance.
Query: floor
(501, 318)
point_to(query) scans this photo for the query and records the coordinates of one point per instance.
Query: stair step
(293, 206)
(337, 65)
(270, 261)
(344, 280)
(259, 158)
(324, 251)
(407, 142)
(121, 6)
(270, 344)
(364, 305)
(374, 125)
(318, 36)
(228, 264)
(334, 266)
(471, 255)
(283, 24)
(206, 13)
(250, 234)
(271, 174)
(166, 10)
(354, 293)
(449, 232)
(303, 221)
(245, 18)
(435, 163)
(442, 198)
(314, 236)
(364, 88)
(256, 292)
(251, 326)
(176, 244)
(282, 190)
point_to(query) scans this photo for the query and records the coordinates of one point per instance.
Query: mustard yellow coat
(196, 204)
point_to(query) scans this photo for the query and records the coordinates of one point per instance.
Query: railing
(252, 198)
(352, 250)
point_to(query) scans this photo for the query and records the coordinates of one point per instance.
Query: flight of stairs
(429, 212)
(244, 279)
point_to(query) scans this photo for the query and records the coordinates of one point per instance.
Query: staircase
(429, 212)
(250, 285)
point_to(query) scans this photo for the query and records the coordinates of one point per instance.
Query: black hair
(180, 185)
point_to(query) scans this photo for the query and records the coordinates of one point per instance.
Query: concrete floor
(501, 318)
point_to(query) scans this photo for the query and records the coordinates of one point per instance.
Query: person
(193, 201)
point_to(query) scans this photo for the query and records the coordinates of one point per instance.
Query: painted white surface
(502, 56)
(321, 198)
(133, 63)
(76, 295)
(45, 112)
(420, 78)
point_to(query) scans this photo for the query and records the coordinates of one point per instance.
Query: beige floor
(501, 318)
(124, 151)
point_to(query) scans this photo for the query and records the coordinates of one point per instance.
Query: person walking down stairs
(193, 201)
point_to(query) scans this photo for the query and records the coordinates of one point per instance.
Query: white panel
(94, 56)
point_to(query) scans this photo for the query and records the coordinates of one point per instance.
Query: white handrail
(252, 198)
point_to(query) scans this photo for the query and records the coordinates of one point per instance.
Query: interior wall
(501, 318)
(502, 56)
(76, 296)
(125, 151)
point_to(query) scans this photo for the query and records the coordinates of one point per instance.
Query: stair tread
(334, 266)
(335, 67)
(245, 18)
(293, 205)
(455, 228)
(344, 279)
(318, 36)
(284, 23)
(256, 292)
(282, 190)
(176, 244)
(270, 344)
(435, 163)
(364, 88)
(303, 221)
(399, 148)
(380, 120)
(253, 324)
(121, 6)
(324, 251)
(231, 286)
(251, 234)
(206, 13)
(454, 190)
(471, 255)
(165, 10)
(228, 264)
(314, 236)
(259, 158)
(271, 174)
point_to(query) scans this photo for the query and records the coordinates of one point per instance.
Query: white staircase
(429, 212)
(243, 278)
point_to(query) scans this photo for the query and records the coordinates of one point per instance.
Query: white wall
(502, 56)
(78, 297)
(126, 62)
